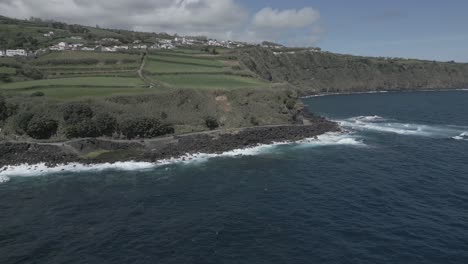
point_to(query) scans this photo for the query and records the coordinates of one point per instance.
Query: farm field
(68, 57)
(210, 81)
(67, 93)
(199, 71)
(79, 81)
(155, 66)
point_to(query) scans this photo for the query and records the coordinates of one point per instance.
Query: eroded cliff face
(317, 72)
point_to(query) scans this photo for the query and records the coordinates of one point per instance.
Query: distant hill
(32, 34)
(313, 71)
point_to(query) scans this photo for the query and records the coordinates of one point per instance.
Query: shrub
(22, 122)
(144, 127)
(31, 72)
(291, 103)
(76, 113)
(37, 94)
(3, 109)
(110, 61)
(42, 128)
(211, 123)
(105, 124)
(85, 128)
(5, 78)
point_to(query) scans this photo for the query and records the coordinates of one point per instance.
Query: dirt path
(142, 75)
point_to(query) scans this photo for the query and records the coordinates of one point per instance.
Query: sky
(425, 29)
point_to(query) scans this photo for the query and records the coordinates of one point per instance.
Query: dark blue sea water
(393, 190)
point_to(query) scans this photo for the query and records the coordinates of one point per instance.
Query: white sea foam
(27, 170)
(343, 93)
(380, 124)
(3, 179)
(332, 139)
(462, 136)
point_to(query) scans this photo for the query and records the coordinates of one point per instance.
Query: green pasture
(210, 81)
(74, 82)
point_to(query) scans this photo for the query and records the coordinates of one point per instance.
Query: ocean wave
(27, 170)
(332, 139)
(380, 124)
(462, 136)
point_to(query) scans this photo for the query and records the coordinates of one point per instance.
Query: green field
(74, 82)
(80, 55)
(210, 81)
(186, 59)
(7, 70)
(154, 66)
(77, 92)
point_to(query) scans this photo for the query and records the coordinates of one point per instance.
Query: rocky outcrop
(160, 148)
(313, 71)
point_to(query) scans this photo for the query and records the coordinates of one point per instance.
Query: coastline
(379, 92)
(102, 151)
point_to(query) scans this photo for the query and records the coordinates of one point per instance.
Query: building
(87, 49)
(17, 52)
(2, 53)
(60, 46)
(50, 34)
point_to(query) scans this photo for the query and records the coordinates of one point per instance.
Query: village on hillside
(77, 43)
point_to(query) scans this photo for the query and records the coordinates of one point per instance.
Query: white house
(17, 52)
(50, 34)
(2, 53)
(87, 49)
(60, 46)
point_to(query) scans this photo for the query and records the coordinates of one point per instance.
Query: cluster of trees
(14, 40)
(80, 121)
(36, 125)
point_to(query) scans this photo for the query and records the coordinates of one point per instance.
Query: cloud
(294, 27)
(222, 19)
(290, 18)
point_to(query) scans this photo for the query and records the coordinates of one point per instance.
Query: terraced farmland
(198, 70)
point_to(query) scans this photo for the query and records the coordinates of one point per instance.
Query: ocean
(392, 189)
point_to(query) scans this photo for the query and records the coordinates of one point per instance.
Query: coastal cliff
(313, 71)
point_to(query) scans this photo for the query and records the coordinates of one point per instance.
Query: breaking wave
(380, 124)
(462, 136)
(27, 170)
(332, 139)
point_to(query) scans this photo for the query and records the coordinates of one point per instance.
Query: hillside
(324, 72)
(161, 84)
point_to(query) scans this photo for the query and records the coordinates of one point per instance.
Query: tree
(42, 128)
(144, 127)
(106, 124)
(3, 109)
(211, 123)
(22, 122)
(85, 128)
(74, 113)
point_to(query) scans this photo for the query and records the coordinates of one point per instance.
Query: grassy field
(201, 61)
(7, 70)
(74, 82)
(185, 70)
(68, 93)
(210, 81)
(79, 55)
(154, 66)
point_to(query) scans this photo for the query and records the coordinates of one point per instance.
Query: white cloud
(289, 18)
(223, 19)
(293, 27)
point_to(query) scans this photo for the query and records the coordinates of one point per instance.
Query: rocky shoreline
(95, 151)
